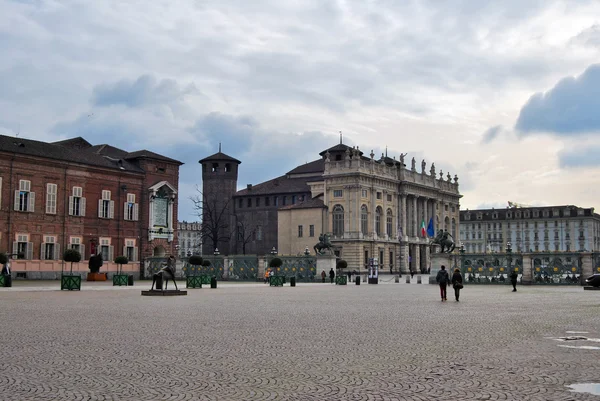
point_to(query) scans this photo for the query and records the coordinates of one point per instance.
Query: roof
(501, 214)
(312, 203)
(219, 156)
(317, 166)
(280, 185)
(76, 150)
(340, 147)
(146, 154)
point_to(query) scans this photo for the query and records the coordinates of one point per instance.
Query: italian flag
(423, 230)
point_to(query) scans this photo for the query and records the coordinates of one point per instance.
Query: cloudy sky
(504, 94)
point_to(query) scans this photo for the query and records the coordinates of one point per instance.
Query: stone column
(415, 217)
(402, 257)
(527, 268)
(426, 255)
(403, 212)
(416, 259)
(587, 266)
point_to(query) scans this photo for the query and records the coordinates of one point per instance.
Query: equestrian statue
(166, 273)
(445, 240)
(323, 245)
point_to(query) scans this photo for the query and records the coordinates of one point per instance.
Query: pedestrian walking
(331, 275)
(323, 275)
(412, 273)
(513, 280)
(457, 283)
(442, 278)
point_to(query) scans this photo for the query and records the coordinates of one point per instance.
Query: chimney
(249, 186)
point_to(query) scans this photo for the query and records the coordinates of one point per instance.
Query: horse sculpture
(323, 245)
(445, 240)
(166, 273)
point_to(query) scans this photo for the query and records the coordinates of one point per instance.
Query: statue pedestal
(325, 262)
(437, 260)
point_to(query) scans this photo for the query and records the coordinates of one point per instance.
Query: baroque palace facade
(370, 208)
(97, 199)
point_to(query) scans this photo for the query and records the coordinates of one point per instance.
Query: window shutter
(29, 253)
(111, 209)
(100, 208)
(135, 254)
(71, 206)
(31, 206)
(135, 211)
(42, 251)
(82, 251)
(82, 207)
(56, 251)
(111, 252)
(15, 248)
(124, 251)
(17, 200)
(125, 217)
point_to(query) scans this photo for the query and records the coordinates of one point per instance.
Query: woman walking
(457, 283)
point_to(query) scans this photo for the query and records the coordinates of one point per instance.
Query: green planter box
(341, 280)
(2, 280)
(205, 279)
(69, 282)
(276, 281)
(193, 281)
(120, 279)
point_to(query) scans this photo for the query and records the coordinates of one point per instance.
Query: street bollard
(292, 281)
(130, 279)
(365, 278)
(213, 282)
(407, 279)
(418, 279)
(159, 282)
(397, 279)
(357, 280)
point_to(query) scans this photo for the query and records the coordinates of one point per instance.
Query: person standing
(443, 279)
(323, 275)
(331, 275)
(457, 283)
(513, 280)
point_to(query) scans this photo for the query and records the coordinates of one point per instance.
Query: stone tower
(219, 184)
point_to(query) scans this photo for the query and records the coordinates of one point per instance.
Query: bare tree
(246, 233)
(215, 216)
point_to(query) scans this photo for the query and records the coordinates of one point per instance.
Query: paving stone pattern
(311, 342)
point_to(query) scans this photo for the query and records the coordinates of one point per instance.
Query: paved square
(311, 342)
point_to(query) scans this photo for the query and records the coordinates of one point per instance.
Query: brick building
(97, 199)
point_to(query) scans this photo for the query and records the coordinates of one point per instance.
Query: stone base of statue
(437, 260)
(589, 287)
(326, 263)
(163, 293)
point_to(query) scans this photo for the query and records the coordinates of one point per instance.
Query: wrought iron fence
(304, 268)
(153, 264)
(490, 268)
(243, 267)
(563, 268)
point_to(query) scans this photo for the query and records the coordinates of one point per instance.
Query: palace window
(50, 250)
(77, 202)
(75, 243)
(240, 203)
(299, 231)
(364, 193)
(106, 249)
(130, 209)
(131, 251)
(378, 195)
(389, 197)
(24, 198)
(22, 247)
(257, 202)
(388, 223)
(249, 202)
(267, 201)
(378, 221)
(338, 220)
(364, 224)
(106, 206)
(337, 193)
(311, 230)
(51, 198)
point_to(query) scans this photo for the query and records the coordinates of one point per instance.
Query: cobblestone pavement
(312, 342)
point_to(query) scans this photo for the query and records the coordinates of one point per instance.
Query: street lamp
(509, 255)
(306, 251)
(273, 251)
(461, 250)
(216, 253)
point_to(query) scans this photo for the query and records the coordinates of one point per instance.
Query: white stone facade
(190, 238)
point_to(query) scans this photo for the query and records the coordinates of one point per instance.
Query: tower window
(215, 167)
(227, 167)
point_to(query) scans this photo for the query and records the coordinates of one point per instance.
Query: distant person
(267, 275)
(331, 275)
(443, 279)
(323, 275)
(513, 280)
(349, 274)
(457, 283)
(412, 273)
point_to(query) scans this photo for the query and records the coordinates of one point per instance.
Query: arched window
(453, 227)
(378, 220)
(338, 220)
(446, 223)
(388, 222)
(364, 220)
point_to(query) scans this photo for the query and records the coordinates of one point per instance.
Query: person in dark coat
(443, 279)
(331, 275)
(323, 275)
(457, 283)
(513, 280)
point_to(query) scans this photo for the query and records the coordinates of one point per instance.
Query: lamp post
(273, 254)
(306, 252)
(216, 252)
(461, 250)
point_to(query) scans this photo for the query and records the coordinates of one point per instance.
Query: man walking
(331, 275)
(442, 278)
(513, 280)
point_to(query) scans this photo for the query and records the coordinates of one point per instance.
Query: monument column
(416, 258)
(403, 216)
(415, 217)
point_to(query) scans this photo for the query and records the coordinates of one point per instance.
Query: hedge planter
(96, 277)
(70, 282)
(5, 280)
(205, 279)
(120, 279)
(276, 281)
(341, 280)
(194, 281)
